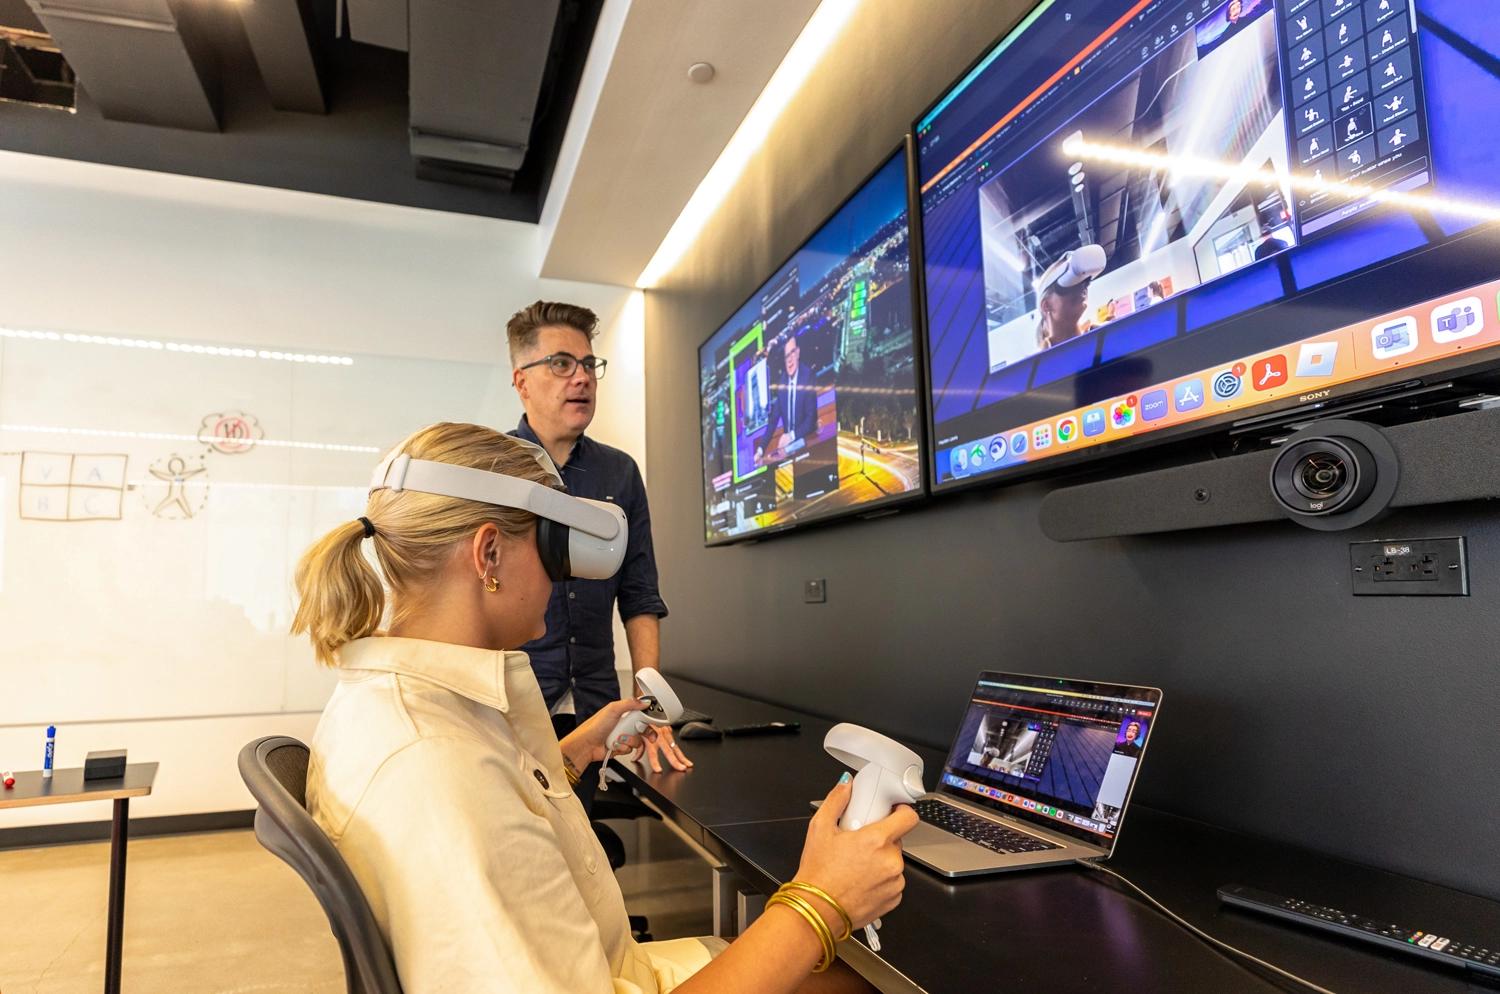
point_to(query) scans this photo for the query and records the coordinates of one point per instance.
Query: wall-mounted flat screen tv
(810, 389)
(1146, 219)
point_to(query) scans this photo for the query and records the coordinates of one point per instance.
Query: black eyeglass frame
(591, 364)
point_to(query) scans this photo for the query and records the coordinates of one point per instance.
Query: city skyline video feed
(809, 391)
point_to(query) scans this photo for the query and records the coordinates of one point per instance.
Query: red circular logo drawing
(230, 432)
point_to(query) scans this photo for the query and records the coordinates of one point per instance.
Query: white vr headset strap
(401, 472)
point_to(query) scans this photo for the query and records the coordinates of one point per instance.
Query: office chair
(275, 770)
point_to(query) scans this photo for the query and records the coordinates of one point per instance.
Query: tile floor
(217, 914)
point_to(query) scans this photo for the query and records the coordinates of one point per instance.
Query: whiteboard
(154, 501)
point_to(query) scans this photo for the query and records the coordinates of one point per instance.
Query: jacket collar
(478, 674)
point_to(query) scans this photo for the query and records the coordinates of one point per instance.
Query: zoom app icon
(1228, 384)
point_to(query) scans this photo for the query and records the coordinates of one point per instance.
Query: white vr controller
(887, 774)
(662, 708)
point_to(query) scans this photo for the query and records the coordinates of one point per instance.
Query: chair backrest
(275, 770)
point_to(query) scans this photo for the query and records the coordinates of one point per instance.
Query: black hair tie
(369, 527)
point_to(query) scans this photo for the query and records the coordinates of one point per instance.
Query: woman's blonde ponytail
(340, 595)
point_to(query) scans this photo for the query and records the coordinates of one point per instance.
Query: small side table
(67, 786)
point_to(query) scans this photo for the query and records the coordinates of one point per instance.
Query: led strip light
(152, 345)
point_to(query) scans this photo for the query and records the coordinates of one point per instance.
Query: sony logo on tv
(1315, 395)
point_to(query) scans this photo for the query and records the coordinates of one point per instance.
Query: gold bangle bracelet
(825, 937)
(828, 899)
(815, 920)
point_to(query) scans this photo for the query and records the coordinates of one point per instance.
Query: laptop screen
(1060, 753)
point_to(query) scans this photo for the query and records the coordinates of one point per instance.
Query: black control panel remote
(1483, 957)
(764, 728)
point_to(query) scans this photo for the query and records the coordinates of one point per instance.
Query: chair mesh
(288, 764)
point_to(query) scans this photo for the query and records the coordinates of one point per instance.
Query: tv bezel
(904, 150)
(1107, 455)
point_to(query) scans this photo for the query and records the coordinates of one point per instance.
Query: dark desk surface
(1065, 929)
(68, 785)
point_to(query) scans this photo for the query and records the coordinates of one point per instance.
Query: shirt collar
(580, 447)
(478, 674)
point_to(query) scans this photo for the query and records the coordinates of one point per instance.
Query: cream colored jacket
(436, 773)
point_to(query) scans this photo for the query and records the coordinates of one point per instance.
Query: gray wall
(1360, 727)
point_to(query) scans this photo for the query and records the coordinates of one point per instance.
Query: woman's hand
(863, 870)
(585, 744)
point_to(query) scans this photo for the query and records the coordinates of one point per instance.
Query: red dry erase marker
(10, 780)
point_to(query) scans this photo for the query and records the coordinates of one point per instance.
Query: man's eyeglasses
(564, 364)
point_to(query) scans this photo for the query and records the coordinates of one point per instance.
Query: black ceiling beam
(287, 38)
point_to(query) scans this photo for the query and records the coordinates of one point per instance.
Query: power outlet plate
(815, 592)
(1416, 567)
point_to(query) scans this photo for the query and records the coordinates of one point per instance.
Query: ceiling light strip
(194, 348)
(825, 25)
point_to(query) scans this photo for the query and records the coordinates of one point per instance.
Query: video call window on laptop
(1058, 753)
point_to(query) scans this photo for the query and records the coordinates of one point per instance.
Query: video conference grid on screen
(1059, 755)
(1107, 158)
(809, 392)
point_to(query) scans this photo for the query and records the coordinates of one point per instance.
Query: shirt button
(572, 640)
(571, 595)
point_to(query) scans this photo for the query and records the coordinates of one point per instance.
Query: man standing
(556, 374)
(799, 403)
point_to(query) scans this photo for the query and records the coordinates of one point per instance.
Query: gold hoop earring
(491, 583)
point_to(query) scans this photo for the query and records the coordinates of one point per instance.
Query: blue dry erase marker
(51, 747)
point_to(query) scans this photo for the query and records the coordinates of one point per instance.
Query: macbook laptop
(1040, 772)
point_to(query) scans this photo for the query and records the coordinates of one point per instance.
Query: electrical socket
(1410, 567)
(815, 592)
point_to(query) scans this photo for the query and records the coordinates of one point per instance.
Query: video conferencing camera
(575, 537)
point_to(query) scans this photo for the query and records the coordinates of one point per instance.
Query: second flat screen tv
(809, 391)
(1151, 219)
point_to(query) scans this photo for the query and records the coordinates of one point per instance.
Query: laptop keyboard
(980, 831)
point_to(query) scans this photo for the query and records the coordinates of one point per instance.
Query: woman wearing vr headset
(436, 772)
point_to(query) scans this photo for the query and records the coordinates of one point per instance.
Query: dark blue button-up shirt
(578, 651)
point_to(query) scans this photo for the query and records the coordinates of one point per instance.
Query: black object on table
(68, 786)
(106, 764)
(688, 714)
(1408, 941)
(765, 728)
(1060, 929)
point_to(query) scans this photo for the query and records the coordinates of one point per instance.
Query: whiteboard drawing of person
(175, 474)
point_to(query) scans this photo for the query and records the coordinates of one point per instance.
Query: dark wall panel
(1362, 727)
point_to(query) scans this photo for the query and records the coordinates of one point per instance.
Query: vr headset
(576, 538)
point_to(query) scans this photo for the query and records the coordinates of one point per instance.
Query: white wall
(104, 250)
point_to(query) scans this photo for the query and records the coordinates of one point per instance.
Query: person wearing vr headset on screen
(436, 773)
(556, 375)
